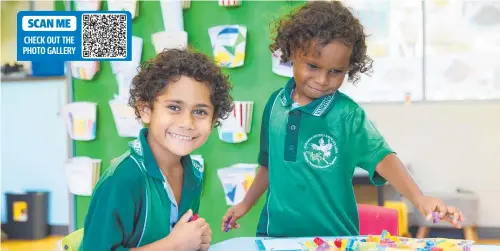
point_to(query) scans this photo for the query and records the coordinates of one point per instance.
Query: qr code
(104, 36)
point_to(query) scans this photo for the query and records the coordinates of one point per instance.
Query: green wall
(253, 81)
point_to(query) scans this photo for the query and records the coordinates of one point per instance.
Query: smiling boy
(136, 205)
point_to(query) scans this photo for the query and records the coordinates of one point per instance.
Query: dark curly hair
(170, 65)
(322, 22)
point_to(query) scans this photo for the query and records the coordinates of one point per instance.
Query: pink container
(375, 219)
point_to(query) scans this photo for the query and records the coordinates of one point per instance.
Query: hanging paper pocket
(175, 39)
(236, 180)
(82, 174)
(186, 4)
(87, 5)
(80, 118)
(230, 131)
(130, 67)
(228, 44)
(243, 111)
(124, 5)
(229, 3)
(126, 121)
(281, 68)
(85, 70)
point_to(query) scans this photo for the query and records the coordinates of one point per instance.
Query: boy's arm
(258, 187)
(370, 151)
(395, 172)
(110, 218)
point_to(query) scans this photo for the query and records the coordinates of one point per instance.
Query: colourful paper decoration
(228, 44)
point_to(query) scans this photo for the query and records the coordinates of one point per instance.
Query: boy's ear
(145, 112)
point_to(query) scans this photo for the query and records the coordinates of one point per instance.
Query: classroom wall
(9, 11)
(34, 143)
(8, 32)
(36, 148)
(449, 145)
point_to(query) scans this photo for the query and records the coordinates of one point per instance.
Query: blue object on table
(47, 68)
(248, 244)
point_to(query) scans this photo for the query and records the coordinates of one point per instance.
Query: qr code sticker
(104, 36)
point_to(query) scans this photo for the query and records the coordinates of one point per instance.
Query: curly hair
(322, 22)
(170, 65)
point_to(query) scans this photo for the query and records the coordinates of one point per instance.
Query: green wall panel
(253, 81)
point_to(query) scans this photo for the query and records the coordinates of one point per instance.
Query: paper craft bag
(228, 44)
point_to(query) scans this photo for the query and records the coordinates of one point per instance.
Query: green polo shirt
(132, 205)
(311, 152)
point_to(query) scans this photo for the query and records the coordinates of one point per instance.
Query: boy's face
(181, 118)
(320, 71)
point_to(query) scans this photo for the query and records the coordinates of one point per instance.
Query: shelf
(29, 78)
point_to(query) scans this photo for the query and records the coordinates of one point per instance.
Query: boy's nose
(321, 79)
(187, 122)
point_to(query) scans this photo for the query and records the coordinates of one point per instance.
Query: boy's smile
(181, 119)
(180, 136)
(320, 70)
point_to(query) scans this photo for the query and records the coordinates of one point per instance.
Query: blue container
(47, 68)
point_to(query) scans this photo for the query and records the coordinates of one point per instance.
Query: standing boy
(313, 136)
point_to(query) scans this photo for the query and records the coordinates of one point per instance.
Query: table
(361, 177)
(248, 244)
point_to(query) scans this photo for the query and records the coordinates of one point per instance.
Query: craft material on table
(386, 242)
(277, 245)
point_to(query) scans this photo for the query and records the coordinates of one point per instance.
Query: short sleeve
(367, 147)
(110, 219)
(263, 158)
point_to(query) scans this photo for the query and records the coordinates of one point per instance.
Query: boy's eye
(335, 71)
(200, 112)
(312, 66)
(174, 108)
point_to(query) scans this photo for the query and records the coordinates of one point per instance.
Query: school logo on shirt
(198, 166)
(320, 151)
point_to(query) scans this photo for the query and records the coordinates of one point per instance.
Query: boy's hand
(427, 205)
(189, 236)
(206, 239)
(232, 215)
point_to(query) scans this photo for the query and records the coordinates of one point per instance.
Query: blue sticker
(74, 36)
